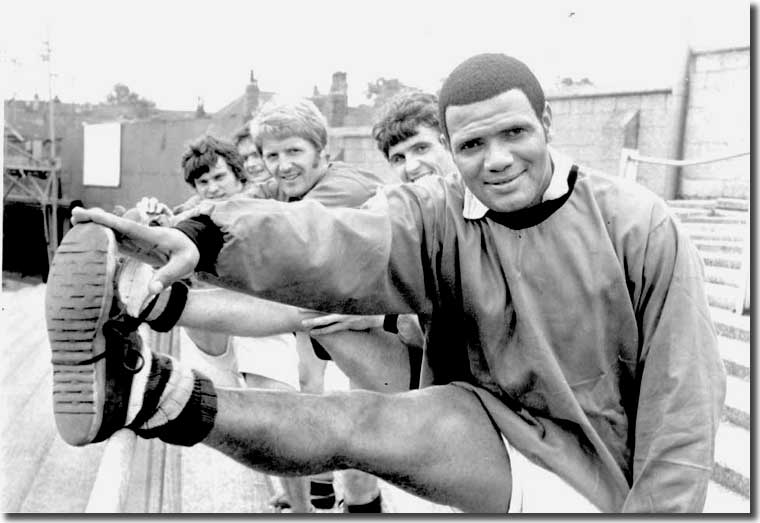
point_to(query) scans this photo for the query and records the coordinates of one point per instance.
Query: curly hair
(486, 75)
(202, 155)
(400, 118)
(281, 119)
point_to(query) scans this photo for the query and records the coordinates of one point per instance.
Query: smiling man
(574, 366)
(291, 137)
(408, 133)
(254, 165)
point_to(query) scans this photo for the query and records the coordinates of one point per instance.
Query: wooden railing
(137, 475)
(629, 160)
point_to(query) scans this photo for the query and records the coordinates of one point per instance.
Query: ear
(546, 121)
(444, 141)
(323, 158)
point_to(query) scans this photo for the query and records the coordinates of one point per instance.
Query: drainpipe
(680, 114)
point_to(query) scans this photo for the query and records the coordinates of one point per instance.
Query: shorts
(536, 490)
(271, 356)
(221, 369)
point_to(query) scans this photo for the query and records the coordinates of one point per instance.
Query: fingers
(82, 215)
(182, 263)
(151, 207)
(330, 329)
(322, 321)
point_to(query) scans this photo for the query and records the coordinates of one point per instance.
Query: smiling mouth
(288, 177)
(416, 177)
(504, 181)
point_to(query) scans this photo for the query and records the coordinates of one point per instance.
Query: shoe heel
(78, 300)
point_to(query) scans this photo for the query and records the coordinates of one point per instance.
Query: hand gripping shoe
(95, 345)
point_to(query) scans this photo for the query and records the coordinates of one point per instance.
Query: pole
(680, 114)
(53, 161)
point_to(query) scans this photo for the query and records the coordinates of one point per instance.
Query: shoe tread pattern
(78, 300)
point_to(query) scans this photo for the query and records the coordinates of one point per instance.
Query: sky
(175, 52)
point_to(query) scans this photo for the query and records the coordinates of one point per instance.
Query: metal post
(680, 114)
(53, 163)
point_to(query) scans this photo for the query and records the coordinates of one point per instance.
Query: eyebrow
(509, 123)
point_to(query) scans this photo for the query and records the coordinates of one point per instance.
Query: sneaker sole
(80, 290)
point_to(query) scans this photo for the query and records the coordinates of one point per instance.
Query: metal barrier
(140, 475)
(629, 160)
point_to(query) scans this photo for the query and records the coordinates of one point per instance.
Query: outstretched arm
(171, 250)
(237, 314)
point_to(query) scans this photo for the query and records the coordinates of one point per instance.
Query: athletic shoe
(95, 345)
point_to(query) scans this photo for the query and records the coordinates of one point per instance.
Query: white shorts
(222, 369)
(272, 356)
(536, 490)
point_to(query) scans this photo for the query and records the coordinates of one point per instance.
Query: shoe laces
(121, 334)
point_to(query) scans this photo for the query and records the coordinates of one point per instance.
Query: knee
(403, 424)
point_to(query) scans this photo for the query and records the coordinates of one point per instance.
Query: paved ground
(42, 474)
(39, 473)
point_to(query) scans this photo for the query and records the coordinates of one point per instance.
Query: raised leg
(437, 443)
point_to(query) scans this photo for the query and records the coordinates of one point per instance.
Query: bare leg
(437, 443)
(359, 487)
(311, 370)
(373, 360)
(297, 491)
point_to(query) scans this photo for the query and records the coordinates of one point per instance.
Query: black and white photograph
(350, 257)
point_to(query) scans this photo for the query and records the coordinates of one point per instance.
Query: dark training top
(584, 329)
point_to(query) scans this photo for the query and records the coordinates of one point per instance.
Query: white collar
(474, 209)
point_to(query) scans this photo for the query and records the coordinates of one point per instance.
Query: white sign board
(102, 154)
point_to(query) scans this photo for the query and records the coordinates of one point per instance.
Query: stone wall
(718, 123)
(356, 146)
(593, 128)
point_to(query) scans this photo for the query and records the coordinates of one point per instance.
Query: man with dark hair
(215, 170)
(573, 362)
(408, 134)
(375, 352)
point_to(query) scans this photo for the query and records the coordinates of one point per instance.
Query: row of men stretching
(285, 159)
(569, 360)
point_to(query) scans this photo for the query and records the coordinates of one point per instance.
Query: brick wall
(718, 122)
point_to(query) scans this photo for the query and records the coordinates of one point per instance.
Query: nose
(411, 165)
(498, 157)
(212, 188)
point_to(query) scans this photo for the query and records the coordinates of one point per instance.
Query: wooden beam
(109, 491)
